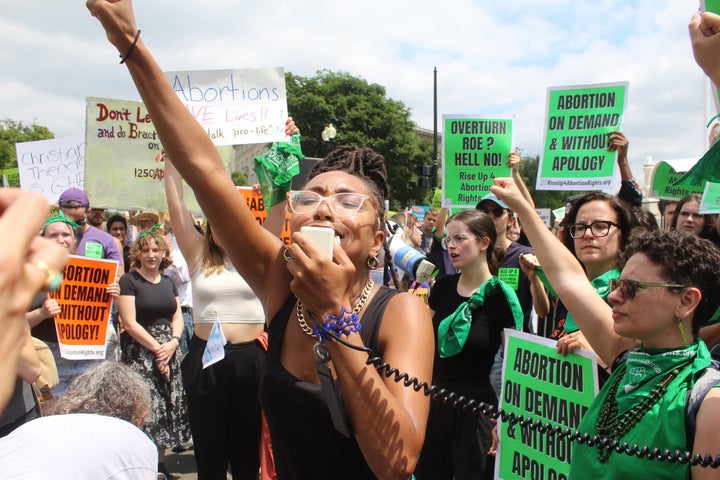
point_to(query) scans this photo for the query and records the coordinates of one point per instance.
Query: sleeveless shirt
(225, 295)
(305, 442)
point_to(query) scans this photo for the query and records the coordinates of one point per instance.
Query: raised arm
(255, 255)
(514, 164)
(567, 277)
(189, 240)
(705, 38)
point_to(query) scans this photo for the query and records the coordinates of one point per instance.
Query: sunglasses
(628, 288)
(496, 212)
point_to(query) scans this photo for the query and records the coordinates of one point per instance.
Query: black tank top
(305, 442)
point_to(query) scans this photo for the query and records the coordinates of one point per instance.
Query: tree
(12, 132)
(363, 116)
(239, 179)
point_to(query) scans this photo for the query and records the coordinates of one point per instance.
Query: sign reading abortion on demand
(51, 166)
(85, 307)
(540, 384)
(235, 106)
(475, 152)
(579, 122)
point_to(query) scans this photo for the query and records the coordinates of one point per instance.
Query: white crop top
(226, 296)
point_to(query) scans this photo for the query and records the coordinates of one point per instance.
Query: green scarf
(454, 329)
(60, 217)
(276, 168)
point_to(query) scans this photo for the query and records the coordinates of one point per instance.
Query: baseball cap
(74, 195)
(492, 198)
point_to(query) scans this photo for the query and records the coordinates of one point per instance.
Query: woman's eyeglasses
(601, 228)
(454, 240)
(628, 288)
(343, 204)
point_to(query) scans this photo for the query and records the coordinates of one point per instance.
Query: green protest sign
(710, 202)
(666, 174)
(475, 151)
(579, 122)
(541, 384)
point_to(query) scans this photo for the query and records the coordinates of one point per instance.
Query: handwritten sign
(235, 106)
(124, 168)
(541, 384)
(475, 151)
(85, 307)
(51, 166)
(257, 207)
(579, 122)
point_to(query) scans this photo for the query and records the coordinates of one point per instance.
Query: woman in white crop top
(225, 417)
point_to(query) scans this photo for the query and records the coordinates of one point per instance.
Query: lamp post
(648, 167)
(328, 136)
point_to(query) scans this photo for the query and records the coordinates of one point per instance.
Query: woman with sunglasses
(596, 230)
(377, 425)
(668, 287)
(470, 311)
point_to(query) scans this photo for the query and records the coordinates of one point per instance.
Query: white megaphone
(406, 258)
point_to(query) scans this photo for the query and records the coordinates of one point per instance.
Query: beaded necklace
(359, 306)
(614, 428)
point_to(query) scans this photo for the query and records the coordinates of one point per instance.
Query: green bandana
(149, 231)
(706, 169)
(453, 331)
(276, 169)
(59, 218)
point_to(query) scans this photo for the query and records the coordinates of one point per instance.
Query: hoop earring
(372, 263)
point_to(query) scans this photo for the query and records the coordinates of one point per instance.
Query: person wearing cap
(93, 243)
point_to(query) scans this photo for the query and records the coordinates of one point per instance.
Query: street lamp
(648, 167)
(328, 135)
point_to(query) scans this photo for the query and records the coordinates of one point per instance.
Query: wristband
(176, 338)
(132, 47)
(342, 325)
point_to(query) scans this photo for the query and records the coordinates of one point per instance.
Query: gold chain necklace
(359, 306)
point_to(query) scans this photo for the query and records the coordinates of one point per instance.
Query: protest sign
(85, 307)
(667, 173)
(235, 106)
(544, 213)
(124, 167)
(579, 122)
(710, 202)
(540, 384)
(475, 152)
(257, 207)
(51, 166)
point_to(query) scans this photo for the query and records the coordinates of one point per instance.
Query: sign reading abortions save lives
(235, 107)
(579, 122)
(51, 166)
(85, 307)
(475, 151)
(541, 384)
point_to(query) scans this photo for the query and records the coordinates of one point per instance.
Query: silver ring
(286, 255)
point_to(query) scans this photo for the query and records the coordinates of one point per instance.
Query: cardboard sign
(541, 384)
(51, 166)
(85, 307)
(257, 206)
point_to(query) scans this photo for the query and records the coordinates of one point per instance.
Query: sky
(492, 58)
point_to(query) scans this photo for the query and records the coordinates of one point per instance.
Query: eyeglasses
(455, 240)
(601, 228)
(628, 288)
(71, 205)
(496, 212)
(343, 204)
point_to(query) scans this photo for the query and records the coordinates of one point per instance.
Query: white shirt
(78, 447)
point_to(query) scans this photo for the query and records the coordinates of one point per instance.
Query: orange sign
(257, 206)
(82, 324)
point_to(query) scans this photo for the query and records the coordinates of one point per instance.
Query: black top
(305, 442)
(155, 303)
(45, 330)
(511, 262)
(472, 365)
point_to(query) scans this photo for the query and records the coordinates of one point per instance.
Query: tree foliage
(12, 132)
(239, 179)
(363, 116)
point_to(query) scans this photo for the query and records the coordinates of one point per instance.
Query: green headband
(149, 231)
(59, 218)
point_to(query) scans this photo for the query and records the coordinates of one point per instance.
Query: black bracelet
(175, 338)
(132, 47)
